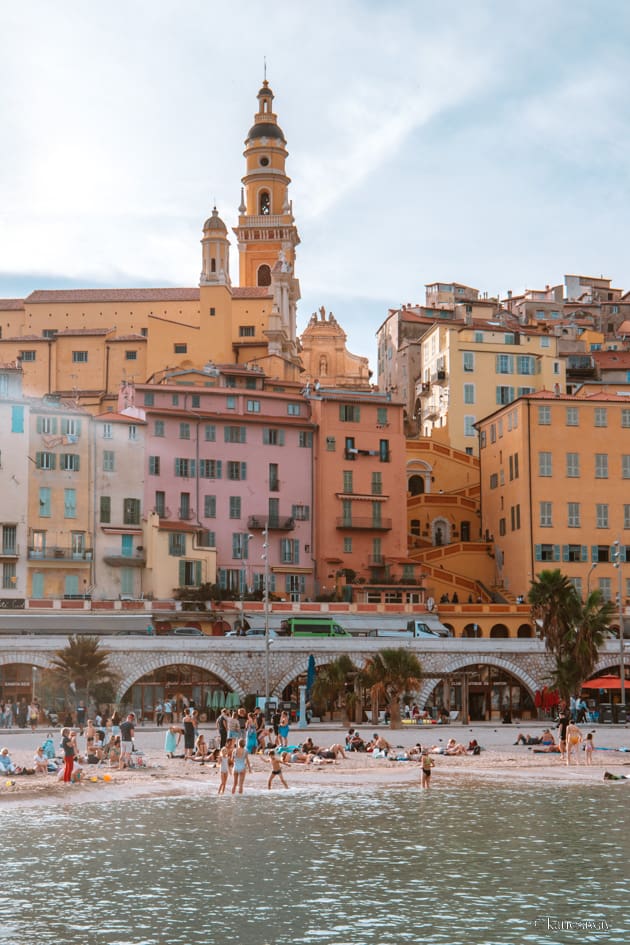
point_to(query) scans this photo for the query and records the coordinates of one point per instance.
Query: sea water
(460, 863)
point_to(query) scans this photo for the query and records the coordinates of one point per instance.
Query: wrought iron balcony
(369, 524)
(276, 523)
(58, 553)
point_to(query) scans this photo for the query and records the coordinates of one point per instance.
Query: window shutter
(193, 465)
(64, 426)
(78, 427)
(296, 551)
(556, 552)
(182, 573)
(177, 467)
(222, 578)
(280, 437)
(243, 470)
(40, 424)
(584, 554)
(197, 573)
(594, 552)
(38, 460)
(266, 436)
(565, 552)
(77, 462)
(537, 553)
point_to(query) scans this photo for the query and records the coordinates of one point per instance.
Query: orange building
(554, 484)
(359, 489)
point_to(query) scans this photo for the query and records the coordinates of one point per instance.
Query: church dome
(215, 222)
(266, 129)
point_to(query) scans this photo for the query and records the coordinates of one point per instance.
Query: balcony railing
(58, 553)
(438, 377)
(430, 411)
(376, 561)
(277, 523)
(185, 514)
(378, 525)
(10, 551)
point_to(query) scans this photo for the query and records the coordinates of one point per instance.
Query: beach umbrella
(221, 700)
(212, 699)
(310, 676)
(233, 700)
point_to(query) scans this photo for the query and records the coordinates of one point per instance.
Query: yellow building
(60, 535)
(83, 342)
(554, 482)
(467, 369)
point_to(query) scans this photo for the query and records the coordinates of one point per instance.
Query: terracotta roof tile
(173, 294)
(70, 332)
(10, 305)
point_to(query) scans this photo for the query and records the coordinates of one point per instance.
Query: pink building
(228, 454)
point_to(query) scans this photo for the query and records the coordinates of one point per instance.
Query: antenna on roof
(265, 68)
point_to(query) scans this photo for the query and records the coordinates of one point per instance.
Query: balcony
(125, 561)
(439, 377)
(185, 514)
(376, 561)
(10, 551)
(431, 411)
(277, 523)
(57, 553)
(369, 524)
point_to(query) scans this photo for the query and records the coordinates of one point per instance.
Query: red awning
(605, 682)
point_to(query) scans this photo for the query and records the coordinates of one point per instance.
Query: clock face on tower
(264, 161)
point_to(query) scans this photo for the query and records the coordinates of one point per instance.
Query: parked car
(187, 632)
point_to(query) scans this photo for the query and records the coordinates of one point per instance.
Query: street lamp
(588, 578)
(622, 668)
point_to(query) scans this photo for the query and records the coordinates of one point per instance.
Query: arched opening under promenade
(181, 684)
(499, 632)
(472, 630)
(480, 692)
(525, 631)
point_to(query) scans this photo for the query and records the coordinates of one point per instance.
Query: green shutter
(39, 424)
(556, 552)
(537, 553)
(565, 552)
(38, 460)
(584, 553)
(197, 573)
(594, 552)
(243, 471)
(266, 436)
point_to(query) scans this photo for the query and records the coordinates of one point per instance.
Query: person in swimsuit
(588, 749)
(224, 768)
(276, 770)
(240, 759)
(573, 739)
(427, 764)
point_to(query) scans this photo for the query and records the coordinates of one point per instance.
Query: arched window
(499, 632)
(415, 526)
(524, 631)
(264, 275)
(265, 203)
(416, 485)
(213, 265)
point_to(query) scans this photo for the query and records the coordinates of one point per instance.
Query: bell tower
(266, 229)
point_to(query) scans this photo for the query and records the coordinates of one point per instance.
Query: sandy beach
(499, 761)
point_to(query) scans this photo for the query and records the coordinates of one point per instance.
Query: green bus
(311, 627)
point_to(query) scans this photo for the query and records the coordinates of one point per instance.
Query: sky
(481, 142)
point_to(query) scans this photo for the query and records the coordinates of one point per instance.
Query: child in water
(427, 764)
(276, 770)
(588, 749)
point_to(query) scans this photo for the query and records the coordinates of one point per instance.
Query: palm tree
(390, 674)
(330, 682)
(83, 667)
(555, 603)
(573, 631)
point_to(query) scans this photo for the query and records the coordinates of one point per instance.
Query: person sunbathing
(454, 748)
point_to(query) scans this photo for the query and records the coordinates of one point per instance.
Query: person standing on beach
(69, 748)
(283, 730)
(564, 720)
(222, 727)
(240, 759)
(573, 740)
(588, 749)
(127, 732)
(427, 763)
